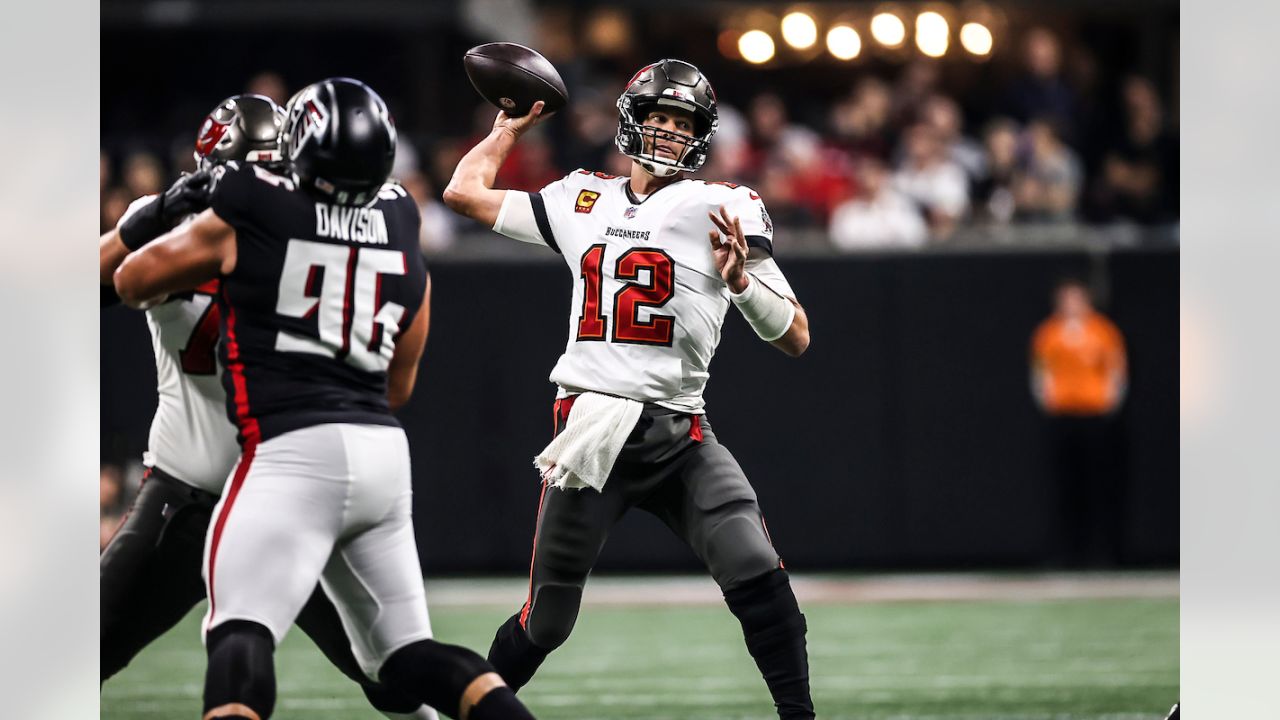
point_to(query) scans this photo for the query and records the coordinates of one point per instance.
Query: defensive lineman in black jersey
(321, 287)
(657, 259)
(151, 568)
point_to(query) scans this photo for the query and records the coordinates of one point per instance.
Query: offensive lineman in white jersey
(658, 258)
(150, 571)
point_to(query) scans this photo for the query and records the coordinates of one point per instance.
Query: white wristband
(768, 313)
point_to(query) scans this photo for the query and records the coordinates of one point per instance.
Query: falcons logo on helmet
(313, 121)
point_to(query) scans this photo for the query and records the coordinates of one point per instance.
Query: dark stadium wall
(905, 438)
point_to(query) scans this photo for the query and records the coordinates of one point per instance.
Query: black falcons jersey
(319, 295)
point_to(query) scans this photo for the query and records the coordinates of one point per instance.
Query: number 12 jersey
(648, 300)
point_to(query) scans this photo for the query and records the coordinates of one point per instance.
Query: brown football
(513, 78)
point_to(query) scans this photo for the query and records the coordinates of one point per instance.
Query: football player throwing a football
(658, 259)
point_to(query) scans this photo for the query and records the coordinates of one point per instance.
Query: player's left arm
(777, 318)
(182, 259)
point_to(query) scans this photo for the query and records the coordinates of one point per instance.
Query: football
(513, 78)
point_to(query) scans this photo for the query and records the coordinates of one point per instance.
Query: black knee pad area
(763, 601)
(554, 613)
(241, 668)
(433, 673)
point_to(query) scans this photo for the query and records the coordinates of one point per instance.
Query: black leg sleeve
(445, 677)
(774, 630)
(241, 670)
(514, 655)
(320, 621)
(150, 571)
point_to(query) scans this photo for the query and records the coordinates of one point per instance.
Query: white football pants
(329, 503)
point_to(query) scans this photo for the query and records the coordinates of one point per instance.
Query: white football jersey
(648, 300)
(191, 437)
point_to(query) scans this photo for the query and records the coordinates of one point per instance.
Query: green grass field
(908, 660)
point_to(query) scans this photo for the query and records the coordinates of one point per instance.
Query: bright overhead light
(843, 42)
(931, 34)
(976, 38)
(799, 30)
(756, 46)
(888, 29)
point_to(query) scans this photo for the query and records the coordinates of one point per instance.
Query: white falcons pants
(329, 503)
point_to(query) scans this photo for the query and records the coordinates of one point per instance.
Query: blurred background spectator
(879, 216)
(1048, 185)
(1139, 180)
(1040, 91)
(1079, 375)
(993, 193)
(929, 177)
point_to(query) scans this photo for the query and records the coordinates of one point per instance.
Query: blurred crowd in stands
(897, 162)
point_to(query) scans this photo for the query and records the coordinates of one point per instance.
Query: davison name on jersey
(317, 299)
(648, 300)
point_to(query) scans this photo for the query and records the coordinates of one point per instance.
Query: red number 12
(631, 297)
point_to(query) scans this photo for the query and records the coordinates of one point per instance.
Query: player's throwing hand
(518, 125)
(730, 251)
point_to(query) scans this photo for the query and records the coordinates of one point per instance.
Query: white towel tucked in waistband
(582, 455)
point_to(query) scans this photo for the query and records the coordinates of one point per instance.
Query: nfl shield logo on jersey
(630, 213)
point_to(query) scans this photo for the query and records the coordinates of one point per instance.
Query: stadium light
(799, 30)
(843, 42)
(888, 29)
(931, 34)
(756, 46)
(976, 38)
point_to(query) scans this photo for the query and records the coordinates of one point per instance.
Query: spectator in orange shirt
(1079, 376)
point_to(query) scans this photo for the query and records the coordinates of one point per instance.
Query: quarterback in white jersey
(658, 257)
(150, 570)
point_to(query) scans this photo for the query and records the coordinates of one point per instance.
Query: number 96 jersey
(648, 300)
(318, 297)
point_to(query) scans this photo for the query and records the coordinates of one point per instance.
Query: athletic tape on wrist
(768, 313)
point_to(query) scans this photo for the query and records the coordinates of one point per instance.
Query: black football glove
(188, 194)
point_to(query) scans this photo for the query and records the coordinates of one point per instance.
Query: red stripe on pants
(237, 480)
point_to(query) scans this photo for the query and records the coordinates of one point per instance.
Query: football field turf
(660, 649)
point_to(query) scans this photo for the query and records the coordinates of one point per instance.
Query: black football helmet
(673, 83)
(245, 128)
(340, 140)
